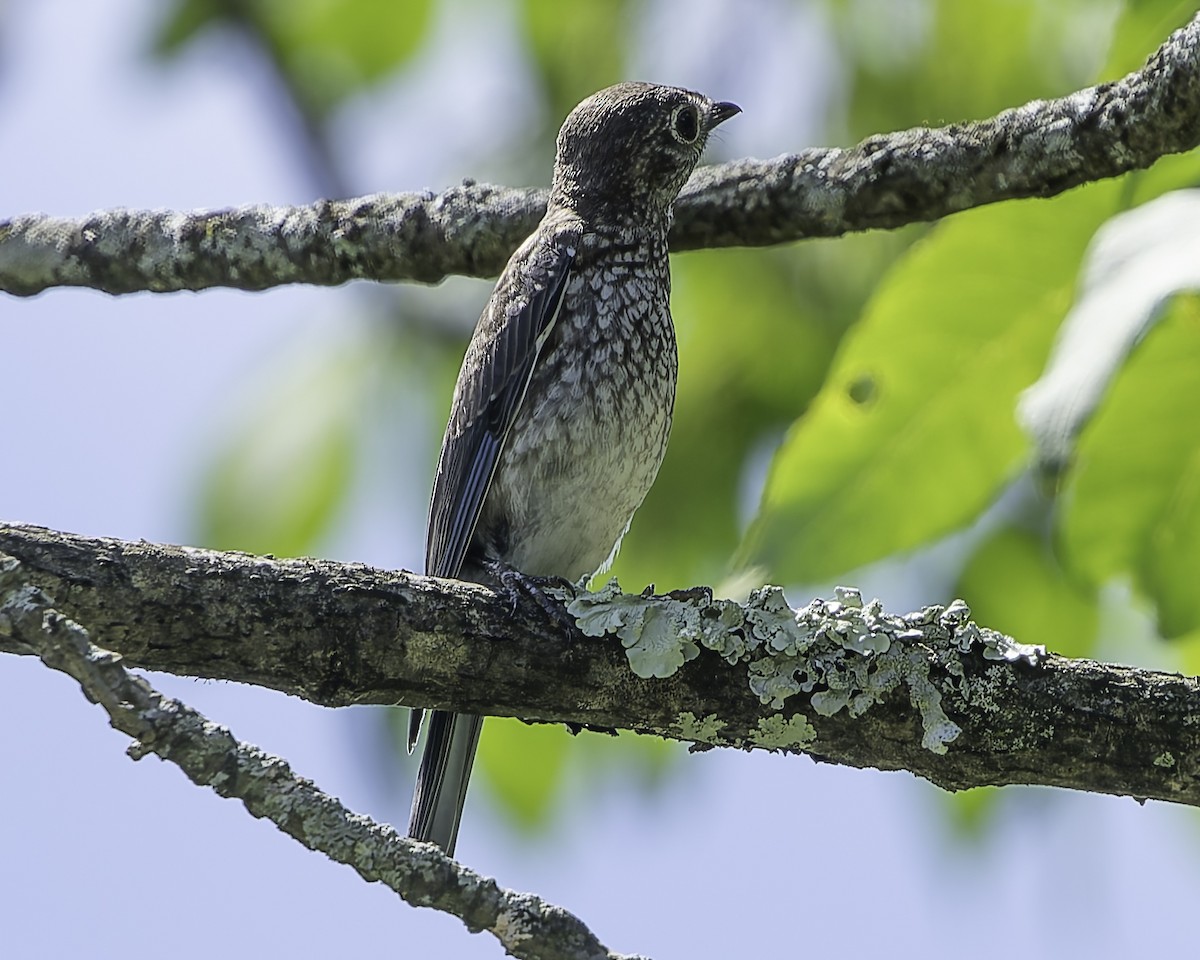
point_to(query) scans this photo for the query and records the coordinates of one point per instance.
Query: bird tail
(442, 778)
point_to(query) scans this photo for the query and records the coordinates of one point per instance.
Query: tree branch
(1038, 150)
(930, 692)
(210, 756)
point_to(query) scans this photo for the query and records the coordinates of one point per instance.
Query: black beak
(722, 111)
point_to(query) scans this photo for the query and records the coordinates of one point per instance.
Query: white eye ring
(685, 123)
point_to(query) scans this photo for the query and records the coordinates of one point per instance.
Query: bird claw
(517, 584)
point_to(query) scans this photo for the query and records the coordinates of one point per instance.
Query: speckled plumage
(562, 409)
(590, 437)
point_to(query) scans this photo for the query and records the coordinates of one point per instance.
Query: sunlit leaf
(913, 433)
(1188, 648)
(1132, 505)
(530, 769)
(628, 757)
(1176, 172)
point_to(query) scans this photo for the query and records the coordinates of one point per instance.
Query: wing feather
(488, 396)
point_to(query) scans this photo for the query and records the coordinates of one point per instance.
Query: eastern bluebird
(562, 409)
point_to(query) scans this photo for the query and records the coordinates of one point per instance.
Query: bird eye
(685, 123)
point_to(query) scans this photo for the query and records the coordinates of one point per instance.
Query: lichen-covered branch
(211, 756)
(1038, 150)
(840, 680)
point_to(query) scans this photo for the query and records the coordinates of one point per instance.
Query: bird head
(625, 152)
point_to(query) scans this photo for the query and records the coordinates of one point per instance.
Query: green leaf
(286, 465)
(913, 434)
(1014, 584)
(1170, 173)
(1132, 504)
(342, 45)
(530, 770)
(523, 766)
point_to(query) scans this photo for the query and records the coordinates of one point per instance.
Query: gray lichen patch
(844, 653)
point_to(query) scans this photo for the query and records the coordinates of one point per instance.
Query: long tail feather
(442, 778)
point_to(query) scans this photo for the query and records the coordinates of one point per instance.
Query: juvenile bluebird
(563, 406)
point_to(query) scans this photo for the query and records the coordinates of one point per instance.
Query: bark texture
(935, 695)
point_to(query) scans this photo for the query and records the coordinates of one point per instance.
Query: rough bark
(932, 693)
(1038, 150)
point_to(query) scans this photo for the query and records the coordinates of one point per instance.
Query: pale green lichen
(938, 729)
(846, 654)
(699, 730)
(654, 635)
(1165, 759)
(777, 733)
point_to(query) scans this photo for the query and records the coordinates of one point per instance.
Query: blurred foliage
(1053, 610)
(556, 765)
(1188, 648)
(1142, 26)
(325, 49)
(930, 62)
(969, 813)
(527, 792)
(287, 462)
(889, 363)
(576, 48)
(1132, 505)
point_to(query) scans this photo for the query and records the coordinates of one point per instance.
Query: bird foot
(517, 584)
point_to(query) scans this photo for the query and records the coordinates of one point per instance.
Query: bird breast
(593, 430)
